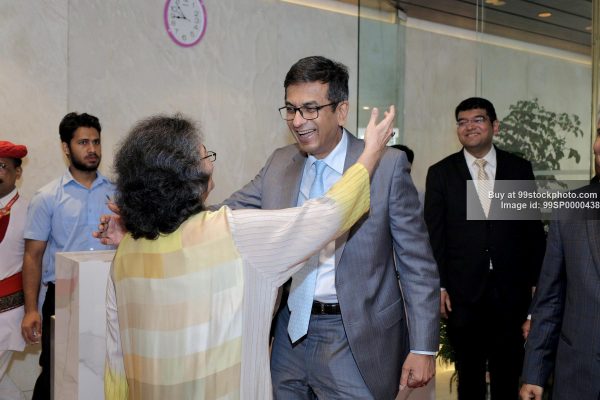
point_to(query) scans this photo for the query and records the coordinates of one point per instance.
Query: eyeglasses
(288, 113)
(480, 120)
(211, 155)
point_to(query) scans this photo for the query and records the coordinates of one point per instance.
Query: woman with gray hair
(191, 292)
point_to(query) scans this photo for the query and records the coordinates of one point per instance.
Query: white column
(80, 326)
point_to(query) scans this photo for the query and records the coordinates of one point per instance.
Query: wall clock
(185, 21)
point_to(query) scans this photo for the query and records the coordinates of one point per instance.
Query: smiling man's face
(475, 131)
(317, 136)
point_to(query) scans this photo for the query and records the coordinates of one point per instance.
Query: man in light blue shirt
(61, 217)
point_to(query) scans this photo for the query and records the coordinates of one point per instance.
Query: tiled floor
(443, 390)
(24, 369)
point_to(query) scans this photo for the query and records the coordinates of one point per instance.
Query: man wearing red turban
(13, 213)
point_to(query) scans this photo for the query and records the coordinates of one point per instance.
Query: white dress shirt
(490, 169)
(325, 286)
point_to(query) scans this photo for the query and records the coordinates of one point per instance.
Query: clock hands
(182, 15)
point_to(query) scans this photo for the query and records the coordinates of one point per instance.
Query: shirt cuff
(425, 353)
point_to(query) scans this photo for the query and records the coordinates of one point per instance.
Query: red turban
(11, 150)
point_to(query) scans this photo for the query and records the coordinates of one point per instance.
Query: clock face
(185, 21)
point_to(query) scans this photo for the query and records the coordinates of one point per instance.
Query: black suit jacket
(463, 248)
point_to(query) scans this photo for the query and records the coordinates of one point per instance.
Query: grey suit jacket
(374, 312)
(565, 330)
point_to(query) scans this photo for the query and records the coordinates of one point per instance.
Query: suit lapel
(501, 166)
(354, 150)
(464, 180)
(461, 166)
(593, 234)
(291, 181)
(501, 174)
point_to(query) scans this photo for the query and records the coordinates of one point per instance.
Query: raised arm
(274, 241)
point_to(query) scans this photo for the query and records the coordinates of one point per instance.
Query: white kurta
(11, 262)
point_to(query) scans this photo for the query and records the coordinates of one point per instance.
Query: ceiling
(568, 28)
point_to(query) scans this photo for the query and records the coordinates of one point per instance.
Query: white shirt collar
(336, 159)
(490, 157)
(6, 199)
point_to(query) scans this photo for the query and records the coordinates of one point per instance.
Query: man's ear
(341, 112)
(66, 150)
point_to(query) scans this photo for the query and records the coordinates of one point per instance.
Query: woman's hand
(376, 137)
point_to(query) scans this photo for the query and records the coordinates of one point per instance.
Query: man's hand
(417, 371)
(525, 328)
(529, 391)
(445, 304)
(31, 327)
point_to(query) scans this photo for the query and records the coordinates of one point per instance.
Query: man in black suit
(487, 268)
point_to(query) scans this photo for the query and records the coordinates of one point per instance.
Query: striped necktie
(484, 186)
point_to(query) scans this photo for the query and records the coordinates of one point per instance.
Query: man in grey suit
(565, 314)
(364, 338)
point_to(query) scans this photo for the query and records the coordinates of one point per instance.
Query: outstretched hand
(376, 137)
(111, 228)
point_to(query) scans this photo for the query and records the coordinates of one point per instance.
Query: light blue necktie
(304, 281)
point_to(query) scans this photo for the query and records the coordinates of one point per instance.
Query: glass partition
(539, 77)
(381, 52)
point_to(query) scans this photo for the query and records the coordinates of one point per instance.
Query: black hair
(476, 102)
(73, 121)
(320, 69)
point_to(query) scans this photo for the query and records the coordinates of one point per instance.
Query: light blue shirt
(325, 287)
(64, 213)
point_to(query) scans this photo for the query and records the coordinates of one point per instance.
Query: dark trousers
(486, 337)
(41, 391)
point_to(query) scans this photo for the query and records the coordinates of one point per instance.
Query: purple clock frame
(173, 38)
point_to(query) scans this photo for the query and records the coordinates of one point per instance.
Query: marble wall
(445, 65)
(115, 60)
